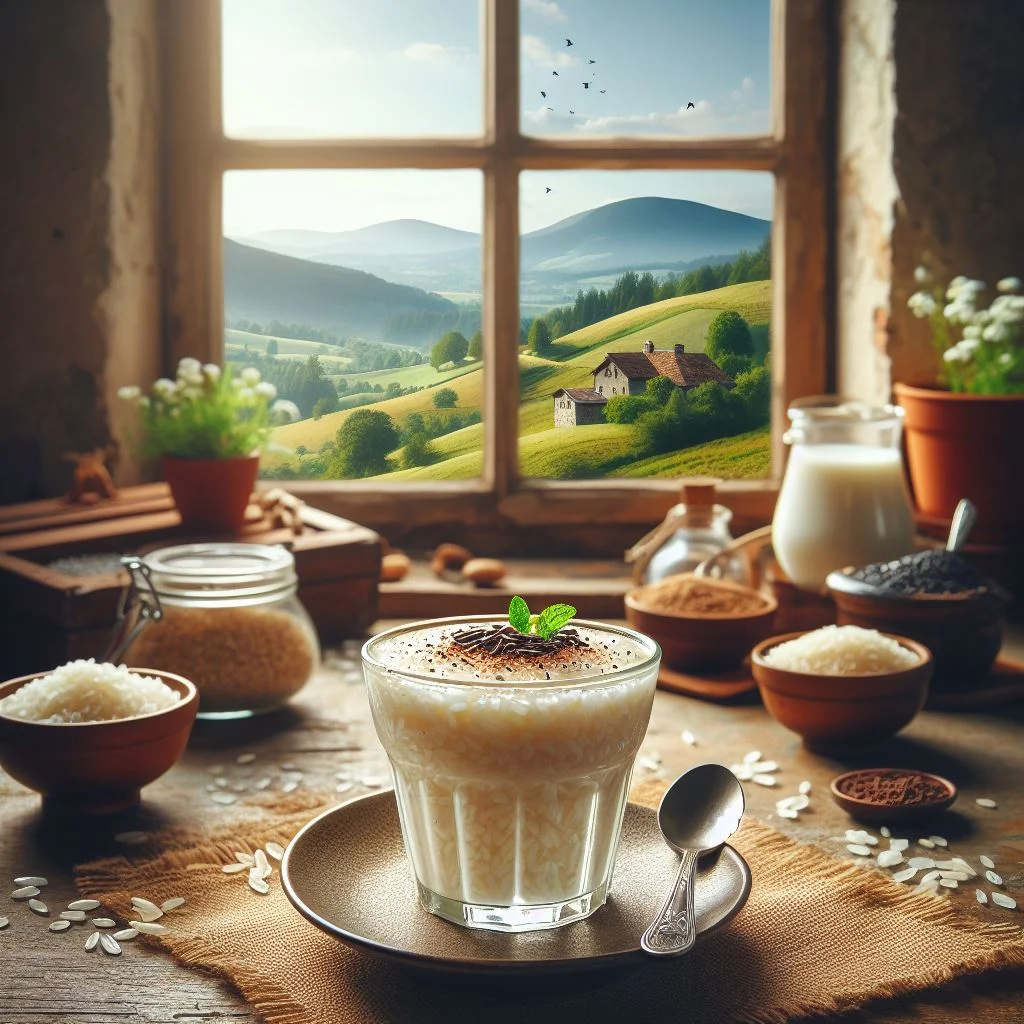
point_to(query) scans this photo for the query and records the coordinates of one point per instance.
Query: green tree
(728, 334)
(418, 451)
(446, 398)
(476, 345)
(658, 390)
(362, 444)
(272, 347)
(539, 338)
(301, 450)
(734, 365)
(393, 390)
(325, 405)
(452, 348)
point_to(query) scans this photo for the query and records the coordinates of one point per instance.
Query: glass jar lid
(835, 419)
(215, 571)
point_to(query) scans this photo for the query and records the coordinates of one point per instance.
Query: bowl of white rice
(842, 686)
(89, 735)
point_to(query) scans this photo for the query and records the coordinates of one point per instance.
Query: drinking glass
(511, 793)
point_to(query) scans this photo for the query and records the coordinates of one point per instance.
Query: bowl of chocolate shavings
(935, 597)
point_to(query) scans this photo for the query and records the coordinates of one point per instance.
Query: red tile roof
(581, 395)
(684, 369)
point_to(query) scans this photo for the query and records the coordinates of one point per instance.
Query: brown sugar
(687, 594)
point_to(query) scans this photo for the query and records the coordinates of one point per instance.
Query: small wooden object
(92, 481)
(51, 611)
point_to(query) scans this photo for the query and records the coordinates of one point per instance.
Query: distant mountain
(260, 285)
(390, 238)
(633, 234)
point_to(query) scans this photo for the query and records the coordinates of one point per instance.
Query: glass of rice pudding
(511, 756)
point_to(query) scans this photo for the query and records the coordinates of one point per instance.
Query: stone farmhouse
(627, 373)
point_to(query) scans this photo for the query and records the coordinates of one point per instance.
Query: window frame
(797, 151)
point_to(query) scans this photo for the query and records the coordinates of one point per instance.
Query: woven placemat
(817, 935)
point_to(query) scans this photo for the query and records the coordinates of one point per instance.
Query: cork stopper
(698, 494)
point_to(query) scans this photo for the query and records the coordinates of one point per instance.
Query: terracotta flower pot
(966, 446)
(212, 494)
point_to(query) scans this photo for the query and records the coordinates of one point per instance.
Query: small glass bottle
(701, 532)
(230, 621)
(843, 500)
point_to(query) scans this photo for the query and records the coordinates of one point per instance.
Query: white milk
(840, 505)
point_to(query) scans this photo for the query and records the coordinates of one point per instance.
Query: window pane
(320, 68)
(646, 300)
(358, 292)
(650, 67)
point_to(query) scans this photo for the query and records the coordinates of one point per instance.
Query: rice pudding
(511, 756)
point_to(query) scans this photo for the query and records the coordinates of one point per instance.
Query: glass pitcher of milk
(843, 500)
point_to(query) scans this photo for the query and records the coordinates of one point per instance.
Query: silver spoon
(700, 810)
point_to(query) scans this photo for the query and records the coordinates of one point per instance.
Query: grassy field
(423, 375)
(570, 453)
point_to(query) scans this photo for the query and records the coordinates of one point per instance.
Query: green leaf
(519, 614)
(553, 618)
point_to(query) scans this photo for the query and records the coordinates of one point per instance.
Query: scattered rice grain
(126, 934)
(245, 759)
(949, 883)
(787, 812)
(904, 875)
(889, 858)
(962, 865)
(263, 783)
(148, 927)
(1000, 899)
(752, 757)
(859, 849)
(223, 798)
(899, 844)
(258, 884)
(373, 781)
(805, 787)
(72, 915)
(234, 869)
(884, 832)
(245, 858)
(263, 865)
(931, 876)
(275, 850)
(90, 942)
(290, 786)
(31, 880)
(979, 895)
(743, 772)
(25, 892)
(59, 926)
(921, 862)
(38, 906)
(765, 766)
(173, 903)
(688, 738)
(110, 945)
(143, 904)
(957, 876)
(4, 922)
(994, 878)
(84, 905)
(764, 780)
(984, 858)
(985, 801)
(926, 843)
(104, 922)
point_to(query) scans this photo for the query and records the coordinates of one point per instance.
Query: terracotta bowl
(831, 712)
(92, 768)
(963, 631)
(703, 642)
(884, 814)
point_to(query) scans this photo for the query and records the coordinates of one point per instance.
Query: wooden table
(50, 977)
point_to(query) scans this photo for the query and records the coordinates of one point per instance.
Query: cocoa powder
(893, 787)
(687, 594)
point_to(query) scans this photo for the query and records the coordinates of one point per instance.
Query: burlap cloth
(817, 935)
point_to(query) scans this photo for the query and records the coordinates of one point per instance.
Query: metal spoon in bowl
(700, 810)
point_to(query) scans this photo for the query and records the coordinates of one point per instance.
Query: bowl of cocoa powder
(886, 795)
(703, 624)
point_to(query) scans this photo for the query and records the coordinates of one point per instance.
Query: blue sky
(315, 68)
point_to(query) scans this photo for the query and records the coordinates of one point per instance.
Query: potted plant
(964, 437)
(208, 427)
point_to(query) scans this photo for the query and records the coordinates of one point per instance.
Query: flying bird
(544, 94)
(603, 91)
(568, 42)
(690, 105)
(586, 85)
(556, 74)
(572, 111)
(591, 61)
(546, 191)
(549, 108)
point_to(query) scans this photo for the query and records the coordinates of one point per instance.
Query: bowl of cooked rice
(89, 735)
(842, 686)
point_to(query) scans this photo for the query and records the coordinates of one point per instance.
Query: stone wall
(78, 270)
(931, 142)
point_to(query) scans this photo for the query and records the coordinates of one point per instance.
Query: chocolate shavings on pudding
(508, 640)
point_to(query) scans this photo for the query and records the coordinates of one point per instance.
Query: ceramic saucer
(347, 873)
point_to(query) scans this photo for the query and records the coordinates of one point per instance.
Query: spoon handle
(674, 931)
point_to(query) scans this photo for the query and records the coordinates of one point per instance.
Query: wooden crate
(48, 617)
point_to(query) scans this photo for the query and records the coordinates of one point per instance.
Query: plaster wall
(77, 228)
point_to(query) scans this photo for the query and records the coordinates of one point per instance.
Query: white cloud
(539, 52)
(747, 84)
(433, 53)
(547, 8)
(682, 120)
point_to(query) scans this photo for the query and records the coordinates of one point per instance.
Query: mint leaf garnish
(553, 618)
(519, 615)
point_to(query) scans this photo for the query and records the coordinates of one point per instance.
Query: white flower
(164, 387)
(1009, 284)
(922, 275)
(212, 372)
(997, 332)
(129, 391)
(266, 389)
(189, 367)
(246, 394)
(1005, 359)
(973, 331)
(250, 375)
(968, 345)
(283, 411)
(954, 287)
(922, 304)
(143, 402)
(955, 355)
(191, 391)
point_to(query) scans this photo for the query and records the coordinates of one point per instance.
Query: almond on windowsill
(484, 572)
(394, 566)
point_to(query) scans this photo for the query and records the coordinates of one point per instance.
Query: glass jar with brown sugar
(231, 622)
